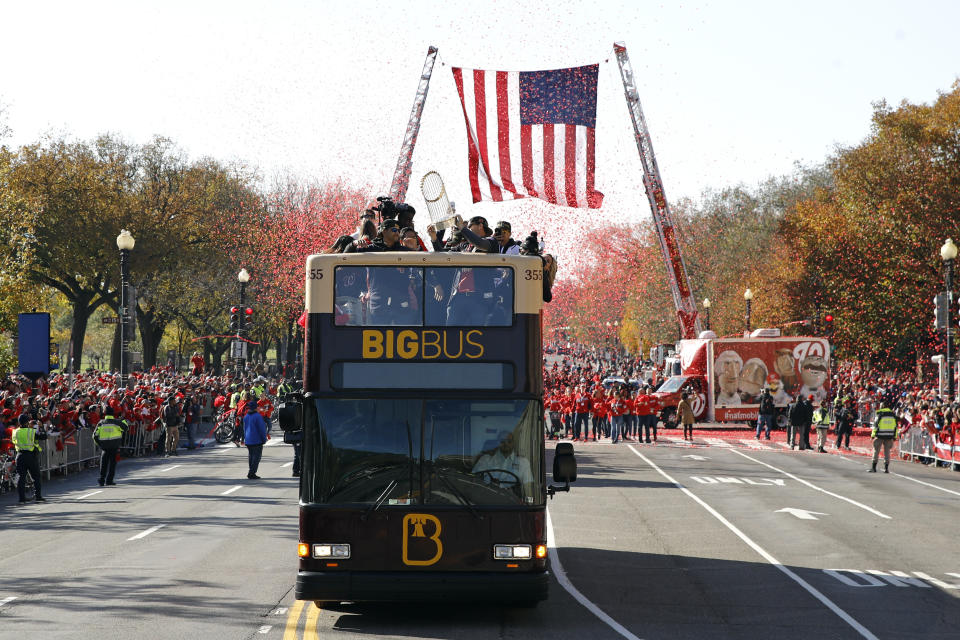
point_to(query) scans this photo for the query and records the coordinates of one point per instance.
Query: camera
(531, 245)
(389, 209)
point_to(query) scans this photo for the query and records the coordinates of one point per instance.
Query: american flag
(531, 134)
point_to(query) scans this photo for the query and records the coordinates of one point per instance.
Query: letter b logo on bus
(421, 538)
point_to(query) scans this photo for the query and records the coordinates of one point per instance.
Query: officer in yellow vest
(885, 430)
(821, 420)
(109, 435)
(25, 440)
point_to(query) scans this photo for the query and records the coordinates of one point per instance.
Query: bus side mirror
(564, 468)
(290, 416)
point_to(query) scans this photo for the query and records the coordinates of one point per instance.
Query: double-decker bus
(423, 441)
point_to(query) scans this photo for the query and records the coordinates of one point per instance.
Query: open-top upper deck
(527, 273)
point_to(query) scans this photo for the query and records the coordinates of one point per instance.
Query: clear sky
(733, 91)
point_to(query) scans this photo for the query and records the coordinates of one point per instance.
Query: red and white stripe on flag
(507, 160)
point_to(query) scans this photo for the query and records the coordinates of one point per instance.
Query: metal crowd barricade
(77, 451)
(918, 444)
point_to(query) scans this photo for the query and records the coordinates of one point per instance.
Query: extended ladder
(676, 269)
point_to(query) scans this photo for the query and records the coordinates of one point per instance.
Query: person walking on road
(821, 420)
(766, 413)
(25, 440)
(807, 422)
(800, 418)
(845, 417)
(254, 435)
(171, 419)
(108, 435)
(885, 430)
(685, 413)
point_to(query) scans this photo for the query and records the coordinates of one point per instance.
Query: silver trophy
(442, 212)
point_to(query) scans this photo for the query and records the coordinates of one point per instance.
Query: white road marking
(7, 600)
(754, 444)
(868, 580)
(899, 579)
(685, 443)
(173, 467)
(144, 534)
(815, 487)
(843, 615)
(272, 442)
(956, 493)
(92, 493)
(279, 611)
(231, 490)
(286, 464)
(561, 576)
(803, 514)
(265, 628)
(939, 583)
(693, 457)
(717, 442)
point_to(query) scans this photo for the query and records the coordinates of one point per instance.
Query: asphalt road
(654, 541)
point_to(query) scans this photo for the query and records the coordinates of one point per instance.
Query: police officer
(108, 436)
(885, 429)
(25, 439)
(821, 420)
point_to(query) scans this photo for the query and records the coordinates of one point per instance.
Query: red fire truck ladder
(401, 175)
(676, 269)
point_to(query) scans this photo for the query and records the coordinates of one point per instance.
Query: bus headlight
(512, 552)
(341, 551)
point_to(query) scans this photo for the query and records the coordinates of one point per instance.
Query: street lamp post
(243, 277)
(748, 296)
(125, 243)
(706, 306)
(949, 252)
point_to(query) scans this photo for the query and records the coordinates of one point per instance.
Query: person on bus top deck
(504, 457)
(410, 239)
(366, 215)
(393, 296)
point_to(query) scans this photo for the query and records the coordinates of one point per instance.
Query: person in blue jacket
(254, 435)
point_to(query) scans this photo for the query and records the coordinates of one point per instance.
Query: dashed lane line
(286, 464)
(7, 600)
(843, 615)
(92, 493)
(144, 534)
(561, 576)
(815, 487)
(232, 489)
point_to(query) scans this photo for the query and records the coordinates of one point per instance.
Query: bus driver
(492, 465)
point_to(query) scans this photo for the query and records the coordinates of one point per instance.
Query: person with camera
(25, 441)
(502, 234)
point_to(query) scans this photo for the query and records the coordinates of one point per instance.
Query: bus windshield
(426, 452)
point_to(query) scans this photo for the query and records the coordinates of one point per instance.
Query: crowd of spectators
(578, 370)
(63, 404)
(917, 403)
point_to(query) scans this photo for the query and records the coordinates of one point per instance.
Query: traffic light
(828, 325)
(940, 308)
(248, 319)
(234, 320)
